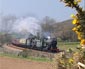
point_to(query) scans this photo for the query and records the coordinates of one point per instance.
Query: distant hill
(64, 30)
(65, 25)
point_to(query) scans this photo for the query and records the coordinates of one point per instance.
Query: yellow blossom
(79, 0)
(75, 54)
(70, 60)
(74, 29)
(83, 42)
(75, 2)
(73, 16)
(79, 26)
(61, 61)
(79, 37)
(79, 33)
(75, 21)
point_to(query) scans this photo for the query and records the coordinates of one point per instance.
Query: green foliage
(25, 58)
(24, 53)
(69, 59)
(79, 19)
(5, 38)
(67, 45)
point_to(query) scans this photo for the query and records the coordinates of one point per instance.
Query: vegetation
(5, 38)
(69, 59)
(66, 33)
(79, 19)
(73, 59)
(67, 45)
(68, 41)
(48, 25)
(25, 58)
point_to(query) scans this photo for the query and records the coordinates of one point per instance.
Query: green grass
(39, 59)
(27, 58)
(67, 45)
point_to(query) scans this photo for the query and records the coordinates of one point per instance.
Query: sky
(37, 8)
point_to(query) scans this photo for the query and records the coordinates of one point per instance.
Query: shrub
(5, 38)
(70, 59)
(24, 53)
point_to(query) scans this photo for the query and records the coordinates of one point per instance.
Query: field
(67, 45)
(11, 63)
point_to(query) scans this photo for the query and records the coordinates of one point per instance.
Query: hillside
(65, 25)
(64, 31)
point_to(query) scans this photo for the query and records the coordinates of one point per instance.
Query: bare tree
(47, 24)
(7, 23)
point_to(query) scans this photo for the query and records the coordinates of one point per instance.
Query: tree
(5, 38)
(7, 23)
(47, 24)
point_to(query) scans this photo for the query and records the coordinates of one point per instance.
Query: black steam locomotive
(44, 44)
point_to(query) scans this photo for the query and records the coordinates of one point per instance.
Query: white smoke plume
(27, 25)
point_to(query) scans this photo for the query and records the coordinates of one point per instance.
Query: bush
(5, 38)
(24, 53)
(69, 59)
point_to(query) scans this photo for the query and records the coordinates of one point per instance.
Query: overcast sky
(37, 8)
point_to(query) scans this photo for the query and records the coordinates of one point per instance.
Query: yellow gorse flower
(83, 42)
(79, 37)
(74, 29)
(75, 2)
(61, 61)
(77, 32)
(75, 21)
(79, 26)
(75, 54)
(79, 19)
(70, 60)
(79, 0)
(73, 16)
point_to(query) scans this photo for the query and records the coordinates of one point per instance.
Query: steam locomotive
(44, 44)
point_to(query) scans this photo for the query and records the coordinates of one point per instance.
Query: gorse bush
(79, 19)
(69, 59)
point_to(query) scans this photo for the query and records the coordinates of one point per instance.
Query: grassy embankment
(27, 58)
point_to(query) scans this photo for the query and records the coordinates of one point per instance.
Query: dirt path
(11, 63)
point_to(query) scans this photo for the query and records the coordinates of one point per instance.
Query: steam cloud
(27, 25)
